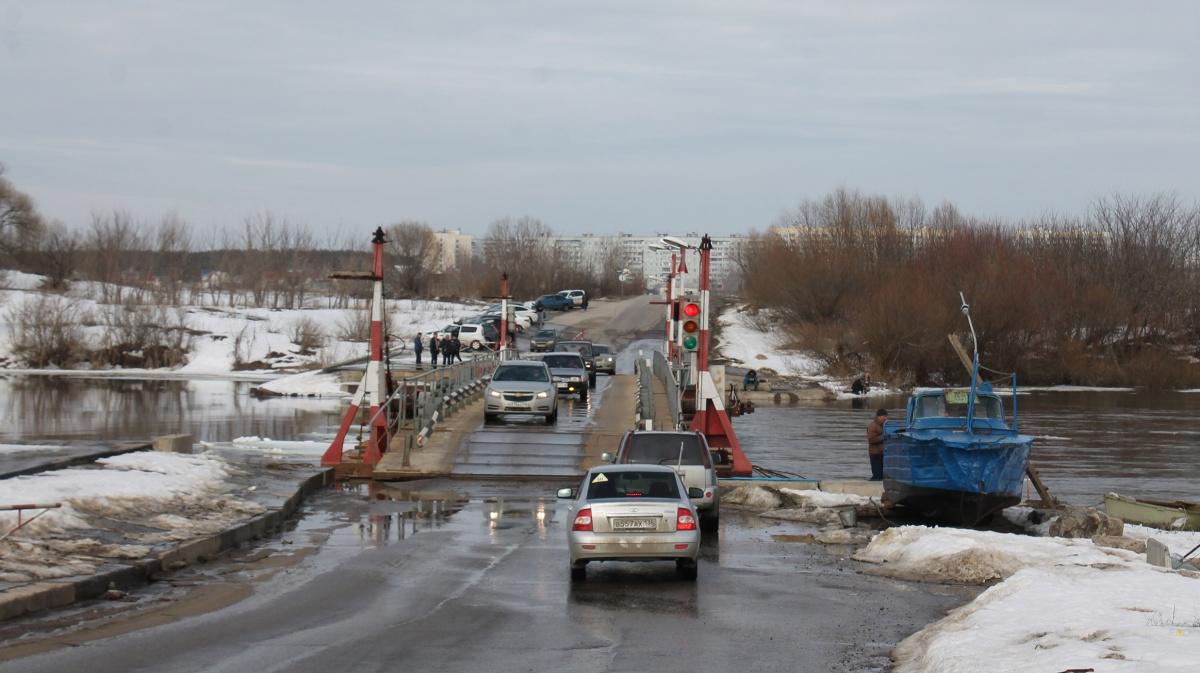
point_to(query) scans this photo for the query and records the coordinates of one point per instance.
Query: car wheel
(592, 380)
(578, 573)
(488, 419)
(687, 569)
(583, 395)
(710, 523)
(552, 417)
(475, 346)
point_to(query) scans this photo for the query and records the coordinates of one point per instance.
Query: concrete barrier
(174, 443)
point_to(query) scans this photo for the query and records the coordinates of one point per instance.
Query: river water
(1088, 443)
(1139, 443)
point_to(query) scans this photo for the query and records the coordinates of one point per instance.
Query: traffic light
(691, 325)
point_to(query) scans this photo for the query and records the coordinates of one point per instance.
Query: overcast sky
(636, 116)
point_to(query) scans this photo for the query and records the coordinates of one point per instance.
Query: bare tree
(521, 247)
(112, 243)
(415, 255)
(58, 255)
(20, 224)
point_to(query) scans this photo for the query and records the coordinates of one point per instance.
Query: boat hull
(959, 478)
(1153, 513)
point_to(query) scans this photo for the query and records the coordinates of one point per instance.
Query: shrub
(46, 331)
(307, 333)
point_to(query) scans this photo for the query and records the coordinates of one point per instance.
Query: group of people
(449, 348)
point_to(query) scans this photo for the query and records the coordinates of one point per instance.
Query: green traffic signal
(689, 342)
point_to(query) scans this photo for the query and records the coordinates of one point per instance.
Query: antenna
(966, 310)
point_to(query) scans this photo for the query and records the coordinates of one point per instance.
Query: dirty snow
(22, 448)
(277, 446)
(1178, 541)
(1060, 603)
(745, 343)
(1053, 618)
(149, 498)
(815, 498)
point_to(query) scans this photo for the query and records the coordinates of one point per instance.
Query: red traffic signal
(691, 310)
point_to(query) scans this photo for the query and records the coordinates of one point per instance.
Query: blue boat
(954, 457)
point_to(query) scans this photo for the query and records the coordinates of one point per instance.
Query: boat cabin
(947, 409)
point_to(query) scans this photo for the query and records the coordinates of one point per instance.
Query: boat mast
(966, 310)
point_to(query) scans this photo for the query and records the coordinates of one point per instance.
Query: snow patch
(756, 349)
(307, 384)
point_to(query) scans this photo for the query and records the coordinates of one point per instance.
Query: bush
(307, 334)
(46, 331)
(139, 335)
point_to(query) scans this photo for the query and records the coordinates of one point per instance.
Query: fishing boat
(1175, 515)
(954, 457)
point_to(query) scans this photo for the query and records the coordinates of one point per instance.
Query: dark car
(554, 302)
(584, 348)
(543, 341)
(568, 372)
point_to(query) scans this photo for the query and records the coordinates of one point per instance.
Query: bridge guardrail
(665, 374)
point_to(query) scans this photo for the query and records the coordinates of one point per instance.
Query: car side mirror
(607, 457)
(694, 492)
(566, 493)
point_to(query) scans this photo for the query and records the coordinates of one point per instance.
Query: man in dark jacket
(417, 348)
(457, 350)
(433, 350)
(875, 444)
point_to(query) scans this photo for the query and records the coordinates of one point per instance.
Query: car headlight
(543, 395)
(494, 393)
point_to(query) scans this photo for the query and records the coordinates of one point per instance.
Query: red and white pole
(376, 373)
(671, 310)
(710, 417)
(504, 315)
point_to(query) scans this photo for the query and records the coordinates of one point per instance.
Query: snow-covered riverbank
(222, 340)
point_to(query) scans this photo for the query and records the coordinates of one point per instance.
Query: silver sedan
(632, 513)
(521, 387)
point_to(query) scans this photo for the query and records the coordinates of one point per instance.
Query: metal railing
(420, 402)
(644, 396)
(666, 374)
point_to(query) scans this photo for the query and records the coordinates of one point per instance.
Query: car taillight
(583, 520)
(683, 520)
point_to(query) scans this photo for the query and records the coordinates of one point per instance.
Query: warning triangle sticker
(600, 479)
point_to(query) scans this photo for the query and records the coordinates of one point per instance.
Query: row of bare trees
(1110, 296)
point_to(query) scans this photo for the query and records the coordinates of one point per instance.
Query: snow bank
(1178, 541)
(745, 343)
(815, 498)
(978, 557)
(24, 448)
(277, 446)
(308, 384)
(1133, 619)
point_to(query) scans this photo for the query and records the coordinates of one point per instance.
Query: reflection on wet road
(473, 576)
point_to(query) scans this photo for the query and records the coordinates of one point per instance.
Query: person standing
(584, 303)
(875, 444)
(433, 350)
(448, 350)
(417, 348)
(457, 349)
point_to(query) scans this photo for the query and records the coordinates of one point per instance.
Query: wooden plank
(961, 350)
(1039, 485)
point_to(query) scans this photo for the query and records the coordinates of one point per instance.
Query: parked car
(576, 296)
(543, 340)
(631, 513)
(568, 372)
(687, 453)
(521, 316)
(584, 348)
(477, 336)
(554, 302)
(603, 360)
(521, 387)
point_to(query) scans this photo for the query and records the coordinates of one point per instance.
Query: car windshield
(616, 485)
(544, 334)
(563, 361)
(664, 449)
(600, 350)
(520, 373)
(954, 405)
(584, 349)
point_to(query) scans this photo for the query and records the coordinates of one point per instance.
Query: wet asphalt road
(478, 582)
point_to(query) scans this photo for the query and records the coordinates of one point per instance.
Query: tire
(583, 395)
(592, 380)
(489, 419)
(552, 418)
(476, 346)
(688, 570)
(710, 523)
(578, 573)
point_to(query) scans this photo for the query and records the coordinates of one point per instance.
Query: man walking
(457, 349)
(875, 444)
(433, 350)
(448, 350)
(417, 348)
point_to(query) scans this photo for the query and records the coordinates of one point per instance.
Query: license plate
(519, 408)
(634, 524)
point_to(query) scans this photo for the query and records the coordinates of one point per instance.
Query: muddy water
(1088, 443)
(40, 408)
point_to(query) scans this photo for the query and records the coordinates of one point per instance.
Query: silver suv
(521, 387)
(569, 373)
(686, 452)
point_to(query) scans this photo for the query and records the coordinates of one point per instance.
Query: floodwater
(1087, 443)
(52, 409)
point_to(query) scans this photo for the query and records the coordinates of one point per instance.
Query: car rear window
(653, 449)
(584, 349)
(617, 485)
(563, 361)
(542, 334)
(600, 350)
